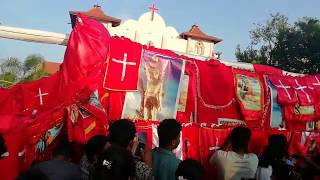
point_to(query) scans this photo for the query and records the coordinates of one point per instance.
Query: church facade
(151, 29)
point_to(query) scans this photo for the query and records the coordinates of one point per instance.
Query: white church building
(151, 29)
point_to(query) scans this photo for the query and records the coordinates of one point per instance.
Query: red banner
(123, 65)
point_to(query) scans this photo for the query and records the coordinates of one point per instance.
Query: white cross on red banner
(124, 65)
(40, 95)
(301, 88)
(317, 83)
(285, 88)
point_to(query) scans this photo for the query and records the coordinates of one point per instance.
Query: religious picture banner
(183, 94)
(276, 118)
(249, 93)
(299, 113)
(123, 65)
(158, 88)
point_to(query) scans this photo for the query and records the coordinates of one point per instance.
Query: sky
(230, 20)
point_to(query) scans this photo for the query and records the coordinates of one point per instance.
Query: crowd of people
(114, 157)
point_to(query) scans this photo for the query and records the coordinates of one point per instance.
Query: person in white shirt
(238, 163)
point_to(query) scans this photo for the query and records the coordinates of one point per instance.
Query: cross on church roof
(153, 9)
(97, 5)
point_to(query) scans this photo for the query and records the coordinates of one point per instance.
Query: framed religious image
(276, 118)
(158, 88)
(183, 94)
(249, 92)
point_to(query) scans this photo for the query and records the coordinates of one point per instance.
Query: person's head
(122, 132)
(169, 134)
(115, 163)
(278, 141)
(190, 169)
(240, 138)
(32, 175)
(275, 151)
(62, 152)
(277, 145)
(95, 146)
(3, 147)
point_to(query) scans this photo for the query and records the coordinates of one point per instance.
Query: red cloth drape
(215, 92)
(12, 164)
(190, 140)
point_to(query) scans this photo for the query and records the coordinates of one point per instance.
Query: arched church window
(199, 48)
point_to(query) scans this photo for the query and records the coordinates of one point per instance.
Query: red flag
(123, 65)
(86, 53)
(87, 48)
(286, 93)
(40, 95)
(13, 100)
(304, 92)
(190, 141)
(264, 69)
(216, 95)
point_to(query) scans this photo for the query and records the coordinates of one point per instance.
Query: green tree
(298, 49)
(13, 71)
(33, 68)
(293, 48)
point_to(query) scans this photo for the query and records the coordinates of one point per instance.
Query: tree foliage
(13, 71)
(291, 47)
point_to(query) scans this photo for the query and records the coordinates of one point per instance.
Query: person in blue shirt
(164, 162)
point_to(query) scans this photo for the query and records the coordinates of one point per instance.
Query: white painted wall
(162, 36)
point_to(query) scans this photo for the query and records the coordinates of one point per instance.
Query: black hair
(64, 150)
(190, 169)
(240, 138)
(115, 163)
(168, 130)
(275, 150)
(33, 174)
(3, 147)
(121, 132)
(95, 146)
(277, 141)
